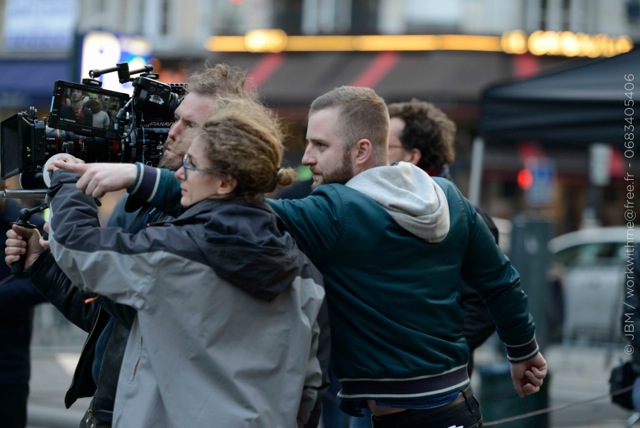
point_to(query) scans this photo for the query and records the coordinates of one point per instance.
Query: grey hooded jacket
(226, 332)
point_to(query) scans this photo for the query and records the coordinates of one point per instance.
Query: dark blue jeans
(332, 416)
(13, 405)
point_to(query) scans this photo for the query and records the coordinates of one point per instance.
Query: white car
(590, 266)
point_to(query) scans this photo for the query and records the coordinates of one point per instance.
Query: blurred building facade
(184, 26)
(181, 34)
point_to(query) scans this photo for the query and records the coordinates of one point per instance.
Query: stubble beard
(340, 175)
(170, 161)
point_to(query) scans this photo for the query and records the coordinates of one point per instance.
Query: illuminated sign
(565, 43)
(515, 42)
(100, 50)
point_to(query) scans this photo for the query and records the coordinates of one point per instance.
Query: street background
(540, 91)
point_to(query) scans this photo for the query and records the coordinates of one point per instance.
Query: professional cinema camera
(127, 128)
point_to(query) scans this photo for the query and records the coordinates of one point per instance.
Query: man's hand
(528, 376)
(23, 241)
(99, 178)
(57, 161)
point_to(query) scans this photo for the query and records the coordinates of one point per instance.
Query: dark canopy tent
(574, 106)
(569, 108)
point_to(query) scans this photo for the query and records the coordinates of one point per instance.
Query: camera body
(92, 124)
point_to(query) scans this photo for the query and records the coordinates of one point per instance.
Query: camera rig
(92, 124)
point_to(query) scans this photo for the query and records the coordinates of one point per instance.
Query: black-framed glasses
(188, 166)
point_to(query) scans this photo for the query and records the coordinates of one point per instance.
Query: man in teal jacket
(396, 326)
(397, 342)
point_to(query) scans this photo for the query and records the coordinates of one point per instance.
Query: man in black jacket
(17, 301)
(107, 323)
(422, 134)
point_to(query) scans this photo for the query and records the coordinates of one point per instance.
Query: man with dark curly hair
(422, 134)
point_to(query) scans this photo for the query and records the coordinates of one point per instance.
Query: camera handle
(24, 215)
(121, 118)
(124, 75)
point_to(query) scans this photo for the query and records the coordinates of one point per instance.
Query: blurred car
(587, 273)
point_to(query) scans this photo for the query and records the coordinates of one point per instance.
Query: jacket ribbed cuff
(136, 183)
(524, 352)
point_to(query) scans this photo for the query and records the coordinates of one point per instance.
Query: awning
(452, 79)
(25, 83)
(593, 102)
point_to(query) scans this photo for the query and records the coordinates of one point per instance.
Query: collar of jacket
(245, 245)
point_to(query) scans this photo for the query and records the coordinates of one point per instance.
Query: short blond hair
(362, 114)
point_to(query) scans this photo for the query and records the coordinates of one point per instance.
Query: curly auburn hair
(428, 129)
(244, 141)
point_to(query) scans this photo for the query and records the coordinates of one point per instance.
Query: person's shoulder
(324, 199)
(451, 191)
(446, 184)
(339, 194)
(455, 196)
(297, 190)
(326, 194)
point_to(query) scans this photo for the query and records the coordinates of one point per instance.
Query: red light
(236, 1)
(525, 179)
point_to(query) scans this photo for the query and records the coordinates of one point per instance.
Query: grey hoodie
(410, 196)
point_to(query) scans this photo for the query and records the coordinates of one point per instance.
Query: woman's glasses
(188, 166)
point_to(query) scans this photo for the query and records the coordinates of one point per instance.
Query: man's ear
(227, 186)
(363, 154)
(415, 156)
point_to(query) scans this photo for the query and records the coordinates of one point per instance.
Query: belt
(464, 394)
(391, 419)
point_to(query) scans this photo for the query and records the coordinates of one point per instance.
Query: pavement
(51, 371)
(577, 395)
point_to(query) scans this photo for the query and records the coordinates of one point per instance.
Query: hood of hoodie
(410, 196)
(245, 245)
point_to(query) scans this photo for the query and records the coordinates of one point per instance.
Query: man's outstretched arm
(156, 186)
(97, 179)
